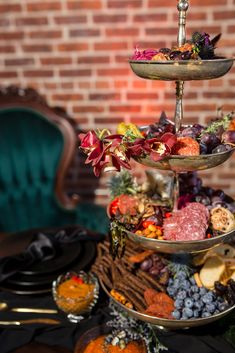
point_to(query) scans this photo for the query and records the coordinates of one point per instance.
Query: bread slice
(212, 271)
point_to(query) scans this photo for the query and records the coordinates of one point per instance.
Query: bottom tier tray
(169, 323)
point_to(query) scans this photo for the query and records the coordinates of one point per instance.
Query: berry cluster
(191, 301)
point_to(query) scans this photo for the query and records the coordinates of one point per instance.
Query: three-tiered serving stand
(180, 71)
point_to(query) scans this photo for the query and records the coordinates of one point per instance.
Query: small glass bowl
(76, 307)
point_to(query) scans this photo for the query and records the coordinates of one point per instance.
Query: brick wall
(75, 53)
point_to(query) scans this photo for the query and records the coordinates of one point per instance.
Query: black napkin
(43, 248)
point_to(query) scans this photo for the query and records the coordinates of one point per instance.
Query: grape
(192, 281)
(198, 305)
(154, 271)
(205, 200)
(186, 55)
(171, 291)
(208, 191)
(146, 265)
(196, 313)
(203, 148)
(195, 289)
(219, 193)
(231, 207)
(210, 140)
(198, 128)
(189, 132)
(221, 148)
(229, 137)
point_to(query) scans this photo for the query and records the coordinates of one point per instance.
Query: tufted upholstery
(30, 152)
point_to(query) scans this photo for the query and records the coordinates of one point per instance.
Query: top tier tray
(185, 70)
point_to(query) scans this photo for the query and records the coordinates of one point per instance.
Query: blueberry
(198, 305)
(216, 312)
(181, 275)
(181, 294)
(222, 306)
(184, 317)
(176, 283)
(202, 290)
(188, 302)
(185, 284)
(179, 303)
(196, 296)
(206, 314)
(210, 308)
(170, 282)
(196, 313)
(171, 291)
(195, 289)
(176, 314)
(187, 312)
(207, 298)
(192, 281)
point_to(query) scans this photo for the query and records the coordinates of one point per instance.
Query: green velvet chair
(36, 148)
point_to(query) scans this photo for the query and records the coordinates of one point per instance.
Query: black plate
(35, 285)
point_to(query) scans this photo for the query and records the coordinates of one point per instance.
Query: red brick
(8, 74)
(109, 18)
(44, 6)
(31, 21)
(87, 5)
(125, 108)
(231, 29)
(194, 16)
(102, 85)
(114, 4)
(74, 73)
(7, 49)
(222, 95)
(110, 46)
(224, 15)
(114, 32)
(4, 22)
(67, 85)
(160, 31)
(38, 73)
(50, 86)
(113, 72)
(151, 44)
(93, 59)
(122, 59)
(10, 8)
(67, 97)
(72, 47)
(108, 120)
(19, 62)
(55, 61)
(11, 35)
(88, 32)
(74, 19)
(104, 96)
(172, 3)
(45, 34)
(88, 109)
(187, 95)
(142, 95)
(200, 107)
(37, 48)
(150, 17)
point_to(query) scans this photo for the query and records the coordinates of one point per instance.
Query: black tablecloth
(207, 339)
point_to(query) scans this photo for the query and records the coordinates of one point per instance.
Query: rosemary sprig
(215, 125)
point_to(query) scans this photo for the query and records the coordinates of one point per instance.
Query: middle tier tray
(180, 247)
(184, 70)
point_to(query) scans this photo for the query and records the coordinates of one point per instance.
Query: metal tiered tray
(184, 70)
(169, 323)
